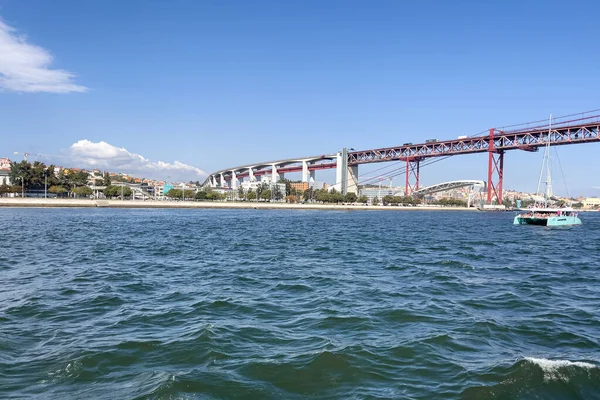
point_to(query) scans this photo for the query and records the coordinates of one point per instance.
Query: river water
(265, 304)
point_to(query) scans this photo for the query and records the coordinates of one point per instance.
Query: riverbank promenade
(49, 203)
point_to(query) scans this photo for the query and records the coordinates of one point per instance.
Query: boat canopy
(550, 210)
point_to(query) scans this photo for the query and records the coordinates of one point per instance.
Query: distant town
(36, 179)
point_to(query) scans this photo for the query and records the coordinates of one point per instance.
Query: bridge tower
(346, 175)
(412, 175)
(495, 171)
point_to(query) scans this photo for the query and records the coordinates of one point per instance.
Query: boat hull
(550, 221)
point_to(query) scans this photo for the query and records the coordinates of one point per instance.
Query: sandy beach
(43, 203)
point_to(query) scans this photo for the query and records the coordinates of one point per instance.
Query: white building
(4, 178)
(4, 171)
(591, 202)
(380, 193)
(248, 185)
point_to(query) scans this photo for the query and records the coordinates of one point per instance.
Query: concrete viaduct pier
(274, 171)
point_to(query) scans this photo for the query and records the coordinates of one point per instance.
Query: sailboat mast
(548, 174)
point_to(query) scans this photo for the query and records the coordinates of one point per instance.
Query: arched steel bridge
(585, 129)
(440, 187)
(477, 188)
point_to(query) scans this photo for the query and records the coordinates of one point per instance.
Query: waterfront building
(299, 186)
(591, 202)
(372, 192)
(4, 178)
(317, 185)
(248, 185)
(4, 171)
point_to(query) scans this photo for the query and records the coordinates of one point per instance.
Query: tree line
(403, 200)
(37, 176)
(266, 193)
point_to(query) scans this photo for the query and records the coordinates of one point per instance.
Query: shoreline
(17, 202)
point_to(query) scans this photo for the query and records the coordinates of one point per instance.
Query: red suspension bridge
(585, 128)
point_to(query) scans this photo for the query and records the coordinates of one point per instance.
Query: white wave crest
(555, 369)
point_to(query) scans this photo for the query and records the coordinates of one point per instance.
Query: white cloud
(25, 67)
(105, 156)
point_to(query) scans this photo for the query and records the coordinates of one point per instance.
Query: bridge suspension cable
(556, 120)
(397, 172)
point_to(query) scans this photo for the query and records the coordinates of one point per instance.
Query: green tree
(288, 186)
(116, 191)
(21, 174)
(277, 194)
(175, 194)
(218, 196)
(110, 191)
(509, 203)
(78, 178)
(30, 176)
(63, 180)
(241, 193)
(375, 200)
(266, 194)
(251, 195)
(38, 172)
(350, 197)
(336, 197)
(451, 202)
(260, 188)
(106, 179)
(58, 190)
(50, 178)
(322, 195)
(363, 199)
(126, 191)
(308, 194)
(82, 191)
(200, 195)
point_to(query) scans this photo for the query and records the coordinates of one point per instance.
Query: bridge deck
(583, 130)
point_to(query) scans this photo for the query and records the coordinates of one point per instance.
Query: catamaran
(542, 213)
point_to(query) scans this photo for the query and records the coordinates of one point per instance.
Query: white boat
(542, 213)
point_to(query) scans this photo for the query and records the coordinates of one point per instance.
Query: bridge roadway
(497, 140)
(575, 131)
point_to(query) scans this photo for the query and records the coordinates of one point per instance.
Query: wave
(540, 378)
(559, 369)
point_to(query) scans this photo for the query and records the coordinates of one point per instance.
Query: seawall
(44, 203)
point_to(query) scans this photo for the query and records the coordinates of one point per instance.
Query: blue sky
(223, 83)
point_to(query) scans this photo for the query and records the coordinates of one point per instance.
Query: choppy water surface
(168, 304)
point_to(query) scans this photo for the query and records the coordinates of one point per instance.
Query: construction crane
(24, 155)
